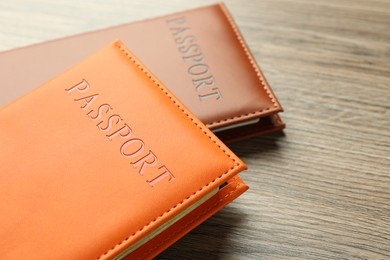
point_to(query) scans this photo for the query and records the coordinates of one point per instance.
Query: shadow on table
(257, 145)
(209, 240)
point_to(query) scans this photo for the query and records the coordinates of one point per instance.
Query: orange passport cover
(99, 157)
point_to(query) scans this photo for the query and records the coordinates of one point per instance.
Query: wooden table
(321, 189)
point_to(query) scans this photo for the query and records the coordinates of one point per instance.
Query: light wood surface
(320, 190)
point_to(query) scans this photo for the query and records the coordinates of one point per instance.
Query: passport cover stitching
(193, 220)
(245, 48)
(131, 58)
(127, 54)
(252, 62)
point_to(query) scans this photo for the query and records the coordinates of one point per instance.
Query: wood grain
(321, 189)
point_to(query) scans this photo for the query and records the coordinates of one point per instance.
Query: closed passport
(199, 54)
(94, 162)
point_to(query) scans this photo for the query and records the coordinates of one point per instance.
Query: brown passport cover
(101, 156)
(199, 54)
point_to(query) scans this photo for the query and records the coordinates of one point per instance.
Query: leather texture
(231, 191)
(199, 54)
(99, 157)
